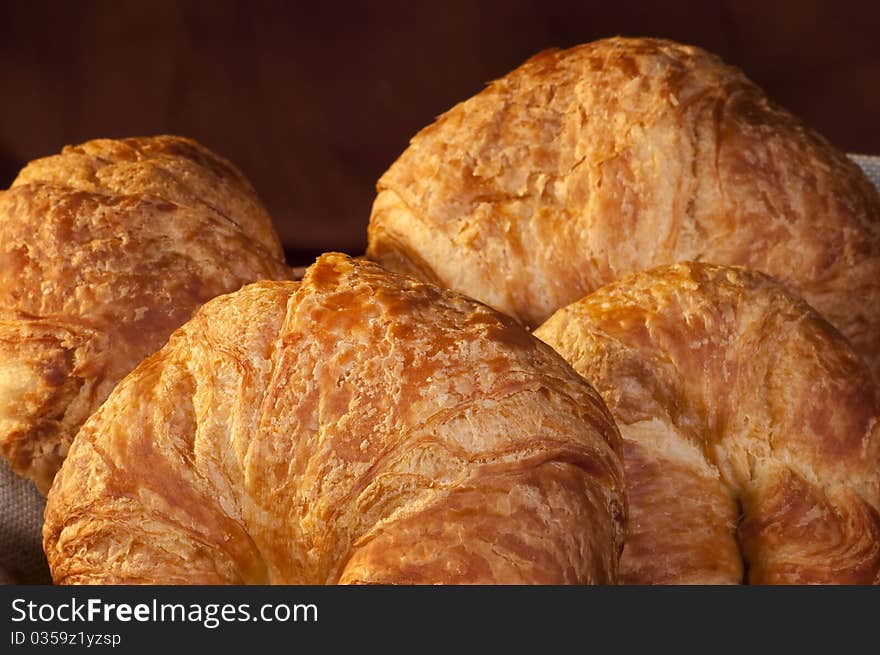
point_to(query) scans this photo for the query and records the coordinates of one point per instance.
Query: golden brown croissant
(588, 164)
(751, 434)
(357, 427)
(105, 249)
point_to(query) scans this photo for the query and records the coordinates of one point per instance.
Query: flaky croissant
(105, 249)
(356, 427)
(585, 165)
(751, 433)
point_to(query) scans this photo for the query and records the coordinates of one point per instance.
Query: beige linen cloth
(21, 507)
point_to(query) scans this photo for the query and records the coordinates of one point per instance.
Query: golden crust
(750, 429)
(357, 427)
(585, 165)
(171, 168)
(104, 251)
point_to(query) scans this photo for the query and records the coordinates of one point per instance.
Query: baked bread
(105, 249)
(355, 427)
(751, 434)
(585, 165)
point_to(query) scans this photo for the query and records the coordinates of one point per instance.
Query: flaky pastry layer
(751, 432)
(355, 427)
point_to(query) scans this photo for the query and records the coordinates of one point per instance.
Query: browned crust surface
(355, 427)
(587, 164)
(105, 249)
(752, 440)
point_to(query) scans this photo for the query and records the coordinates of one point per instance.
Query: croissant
(356, 427)
(105, 249)
(585, 165)
(750, 430)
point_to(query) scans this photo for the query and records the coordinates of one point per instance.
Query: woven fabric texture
(871, 165)
(21, 523)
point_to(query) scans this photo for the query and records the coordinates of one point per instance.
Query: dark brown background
(314, 100)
